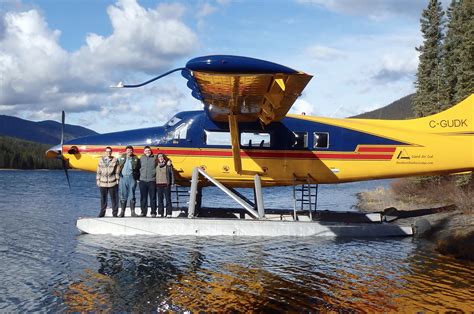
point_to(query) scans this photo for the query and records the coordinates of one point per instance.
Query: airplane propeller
(63, 160)
(57, 151)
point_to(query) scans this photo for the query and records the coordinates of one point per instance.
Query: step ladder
(305, 196)
(180, 198)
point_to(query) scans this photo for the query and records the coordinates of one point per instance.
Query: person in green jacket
(147, 182)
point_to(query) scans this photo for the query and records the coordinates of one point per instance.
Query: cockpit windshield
(173, 121)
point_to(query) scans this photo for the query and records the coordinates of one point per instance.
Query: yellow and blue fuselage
(301, 148)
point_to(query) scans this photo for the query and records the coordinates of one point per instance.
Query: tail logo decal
(403, 155)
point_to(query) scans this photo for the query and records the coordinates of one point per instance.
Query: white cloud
(374, 71)
(397, 67)
(374, 9)
(38, 78)
(143, 40)
(30, 59)
(303, 106)
(205, 9)
(318, 52)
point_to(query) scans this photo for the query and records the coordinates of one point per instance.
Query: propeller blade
(63, 118)
(64, 161)
(65, 166)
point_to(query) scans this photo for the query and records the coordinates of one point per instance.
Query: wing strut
(234, 135)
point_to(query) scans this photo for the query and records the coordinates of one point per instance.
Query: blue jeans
(127, 186)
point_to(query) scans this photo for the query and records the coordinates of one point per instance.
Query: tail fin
(457, 119)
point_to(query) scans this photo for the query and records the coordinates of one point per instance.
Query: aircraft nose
(54, 152)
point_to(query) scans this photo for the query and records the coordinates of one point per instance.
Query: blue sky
(63, 54)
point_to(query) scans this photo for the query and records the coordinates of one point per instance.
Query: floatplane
(244, 137)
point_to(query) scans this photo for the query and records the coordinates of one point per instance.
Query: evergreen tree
(452, 53)
(429, 92)
(465, 66)
(465, 79)
(20, 154)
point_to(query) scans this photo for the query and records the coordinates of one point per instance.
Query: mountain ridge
(45, 132)
(400, 109)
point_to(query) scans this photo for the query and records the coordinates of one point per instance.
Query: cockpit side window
(178, 133)
(181, 131)
(173, 121)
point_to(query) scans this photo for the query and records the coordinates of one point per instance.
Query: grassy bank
(452, 230)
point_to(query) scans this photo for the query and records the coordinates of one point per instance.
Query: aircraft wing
(241, 89)
(247, 88)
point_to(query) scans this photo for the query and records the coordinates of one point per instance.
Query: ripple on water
(48, 266)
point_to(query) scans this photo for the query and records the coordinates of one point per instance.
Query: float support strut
(193, 191)
(259, 197)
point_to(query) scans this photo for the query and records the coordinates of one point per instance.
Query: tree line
(445, 73)
(20, 154)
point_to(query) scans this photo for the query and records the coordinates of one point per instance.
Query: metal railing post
(259, 196)
(192, 192)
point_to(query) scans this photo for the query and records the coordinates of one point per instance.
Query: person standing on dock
(107, 180)
(147, 184)
(164, 181)
(129, 172)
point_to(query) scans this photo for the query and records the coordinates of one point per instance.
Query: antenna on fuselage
(122, 85)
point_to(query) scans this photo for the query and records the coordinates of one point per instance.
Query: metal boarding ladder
(305, 196)
(180, 197)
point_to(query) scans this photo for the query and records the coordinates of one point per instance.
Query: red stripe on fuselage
(372, 149)
(260, 154)
(275, 154)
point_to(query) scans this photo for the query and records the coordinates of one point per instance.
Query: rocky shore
(452, 223)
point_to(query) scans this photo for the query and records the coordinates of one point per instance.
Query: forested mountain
(398, 110)
(20, 154)
(23, 143)
(47, 132)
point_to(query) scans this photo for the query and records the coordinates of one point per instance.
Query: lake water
(46, 265)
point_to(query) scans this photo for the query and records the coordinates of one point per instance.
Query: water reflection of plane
(185, 273)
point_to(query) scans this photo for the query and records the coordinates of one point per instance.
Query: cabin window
(179, 133)
(217, 138)
(321, 140)
(255, 139)
(300, 140)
